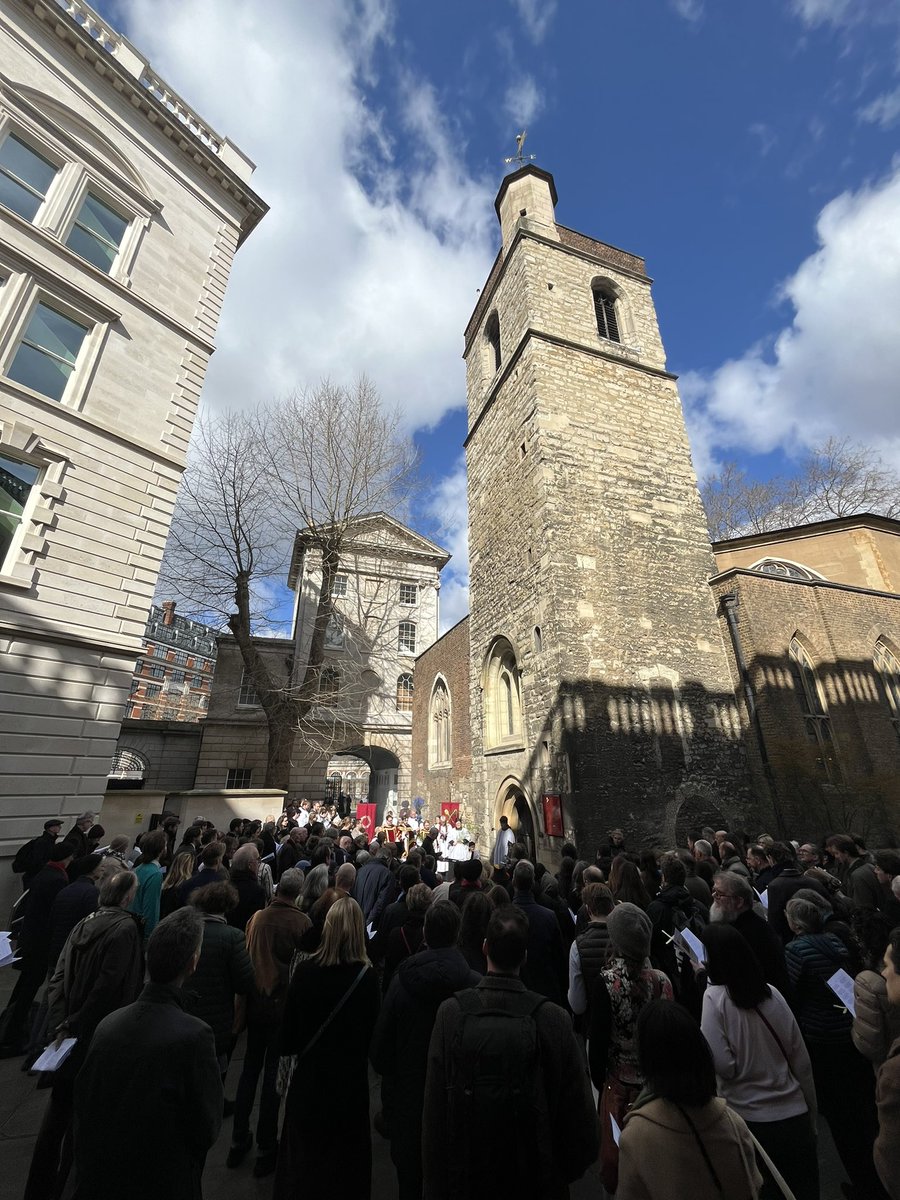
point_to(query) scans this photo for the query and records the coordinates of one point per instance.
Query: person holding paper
(761, 1061)
(845, 1085)
(681, 1141)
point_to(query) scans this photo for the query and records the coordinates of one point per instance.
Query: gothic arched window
(404, 692)
(440, 753)
(888, 668)
(502, 696)
(815, 714)
(492, 337)
(605, 312)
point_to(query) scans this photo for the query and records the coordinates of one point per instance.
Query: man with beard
(733, 902)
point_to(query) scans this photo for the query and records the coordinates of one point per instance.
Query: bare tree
(836, 479)
(293, 474)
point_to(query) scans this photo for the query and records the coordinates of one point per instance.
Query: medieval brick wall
(447, 659)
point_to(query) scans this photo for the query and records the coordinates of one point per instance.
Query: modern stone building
(173, 676)
(387, 612)
(120, 213)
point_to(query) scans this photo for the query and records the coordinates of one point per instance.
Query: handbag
(287, 1063)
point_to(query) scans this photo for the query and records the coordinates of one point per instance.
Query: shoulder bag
(288, 1063)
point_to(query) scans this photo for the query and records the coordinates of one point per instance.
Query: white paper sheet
(54, 1056)
(616, 1131)
(694, 944)
(370, 931)
(763, 898)
(7, 954)
(842, 986)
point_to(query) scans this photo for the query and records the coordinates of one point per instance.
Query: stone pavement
(22, 1106)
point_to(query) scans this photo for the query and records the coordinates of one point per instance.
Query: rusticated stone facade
(609, 684)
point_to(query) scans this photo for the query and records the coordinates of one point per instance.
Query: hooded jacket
(876, 1025)
(673, 899)
(399, 1050)
(659, 1158)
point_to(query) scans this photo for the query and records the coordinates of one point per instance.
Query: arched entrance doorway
(513, 804)
(383, 770)
(694, 813)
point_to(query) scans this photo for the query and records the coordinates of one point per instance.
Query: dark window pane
(91, 248)
(39, 371)
(100, 218)
(26, 164)
(56, 333)
(19, 199)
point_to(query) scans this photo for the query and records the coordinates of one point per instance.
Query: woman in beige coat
(876, 1023)
(680, 1140)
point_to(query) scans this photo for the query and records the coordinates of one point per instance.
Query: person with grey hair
(148, 1050)
(372, 888)
(100, 969)
(118, 848)
(545, 969)
(845, 1084)
(733, 901)
(245, 880)
(707, 864)
(77, 837)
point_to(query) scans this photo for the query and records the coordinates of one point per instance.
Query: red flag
(365, 816)
(450, 810)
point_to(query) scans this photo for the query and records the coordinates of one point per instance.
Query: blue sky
(746, 148)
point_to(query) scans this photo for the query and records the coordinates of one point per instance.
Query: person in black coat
(34, 946)
(35, 854)
(149, 1050)
(73, 902)
(733, 899)
(245, 880)
(77, 837)
(395, 914)
(373, 881)
(545, 969)
(399, 1051)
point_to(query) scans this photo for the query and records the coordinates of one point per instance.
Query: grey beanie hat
(629, 931)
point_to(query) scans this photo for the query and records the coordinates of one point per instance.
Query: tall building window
(97, 233)
(25, 177)
(16, 481)
(502, 696)
(238, 777)
(153, 692)
(439, 739)
(888, 667)
(157, 670)
(404, 692)
(46, 354)
(339, 586)
(492, 337)
(409, 593)
(247, 692)
(815, 715)
(334, 632)
(605, 312)
(406, 637)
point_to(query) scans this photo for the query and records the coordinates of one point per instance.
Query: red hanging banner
(450, 810)
(365, 816)
(553, 821)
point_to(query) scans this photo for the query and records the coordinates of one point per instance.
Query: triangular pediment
(387, 533)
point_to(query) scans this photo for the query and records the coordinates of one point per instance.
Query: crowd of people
(683, 1016)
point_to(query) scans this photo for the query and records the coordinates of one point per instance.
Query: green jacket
(146, 900)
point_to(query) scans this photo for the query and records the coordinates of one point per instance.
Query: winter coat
(223, 972)
(861, 884)
(876, 1025)
(399, 1050)
(673, 899)
(70, 906)
(370, 889)
(32, 856)
(100, 969)
(572, 1136)
(735, 864)
(251, 897)
(273, 934)
(146, 901)
(781, 890)
(887, 1144)
(594, 951)
(544, 969)
(812, 958)
(151, 1070)
(35, 935)
(767, 946)
(659, 1158)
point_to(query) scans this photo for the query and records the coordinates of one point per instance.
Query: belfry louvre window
(605, 312)
(815, 714)
(97, 233)
(46, 355)
(25, 177)
(16, 481)
(492, 336)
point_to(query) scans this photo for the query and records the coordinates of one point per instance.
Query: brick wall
(448, 659)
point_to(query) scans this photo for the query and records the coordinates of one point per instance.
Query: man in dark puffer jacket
(592, 949)
(399, 1050)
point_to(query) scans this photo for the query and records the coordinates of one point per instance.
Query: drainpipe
(729, 606)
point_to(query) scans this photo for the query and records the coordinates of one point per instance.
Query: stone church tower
(598, 672)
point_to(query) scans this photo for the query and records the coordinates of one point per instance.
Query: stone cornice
(734, 572)
(553, 339)
(129, 647)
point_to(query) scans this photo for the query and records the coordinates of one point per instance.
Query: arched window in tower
(439, 736)
(605, 312)
(815, 714)
(502, 697)
(492, 337)
(404, 692)
(888, 667)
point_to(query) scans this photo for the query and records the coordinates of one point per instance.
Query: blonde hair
(181, 869)
(343, 935)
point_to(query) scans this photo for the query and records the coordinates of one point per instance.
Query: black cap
(55, 823)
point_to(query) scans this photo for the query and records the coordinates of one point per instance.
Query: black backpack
(496, 1084)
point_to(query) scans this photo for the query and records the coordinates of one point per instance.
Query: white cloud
(448, 505)
(765, 135)
(884, 110)
(536, 16)
(522, 101)
(690, 10)
(377, 238)
(835, 367)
